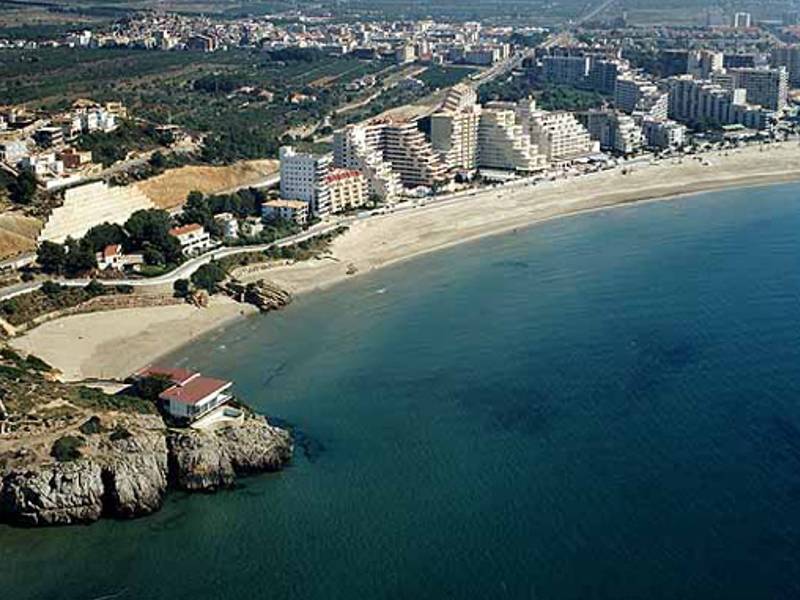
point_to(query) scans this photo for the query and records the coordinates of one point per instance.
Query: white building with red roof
(196, 396)
(191, 394)
(193, 237)
(112, 257)
(348, 189)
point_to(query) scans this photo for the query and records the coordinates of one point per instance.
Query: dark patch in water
(784, 438)
(312, 448)
(656, 358)
(511, 264)
(277, 371)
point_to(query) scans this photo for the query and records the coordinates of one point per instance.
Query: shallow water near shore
(604, 406)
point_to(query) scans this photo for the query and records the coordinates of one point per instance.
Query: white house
(286, 210)
(193, 237)
(229, 225)
(196, 396)
(112, 257)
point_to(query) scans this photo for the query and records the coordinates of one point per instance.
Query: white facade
(504, 144)
(559, 136)
(303, 178)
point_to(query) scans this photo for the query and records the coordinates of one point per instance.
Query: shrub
(67, 448)
(181, 288)
(37, 364)
(51, 288)
(91, 426)
(95, 288)
(119, 433)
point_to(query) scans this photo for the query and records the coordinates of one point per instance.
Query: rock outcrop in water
(127, 476)
(208, 461)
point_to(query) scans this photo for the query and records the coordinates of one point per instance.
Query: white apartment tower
(559, 136)
(504, 144)
(411, 155)
(358, 147)
(303, 177)
(454, 135)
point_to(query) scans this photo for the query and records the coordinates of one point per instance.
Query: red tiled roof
(176, 231)
(112, 250)
(176, 375)
(339, 174)
(194, 390)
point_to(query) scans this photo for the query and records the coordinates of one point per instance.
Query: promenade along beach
(111, 345)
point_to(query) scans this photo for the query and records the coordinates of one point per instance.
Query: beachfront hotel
(348, 189)
(504, 144)
(559, 136)
(358, 147)
(303, 178)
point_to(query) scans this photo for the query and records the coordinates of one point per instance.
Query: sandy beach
(113, 344)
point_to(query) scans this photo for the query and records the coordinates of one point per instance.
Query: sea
(605, 406)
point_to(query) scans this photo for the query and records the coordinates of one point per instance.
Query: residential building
(193, 237)
(663, 135)
(703, 102)
(348, 189)
(616, 132)
(195, 396)
(412, 157)
(454, 135)
(74, 159)
(702, 63)
(112, 257)
(303, 178)
(603, 74)
(229, 224)
(504, 144)
(559, 136)
(789, 57)
(49, 137)
(766, 87)
(295, 211)
(630, 91)
(742, 20)
(358, 147)
(565, 70)
(251, 227)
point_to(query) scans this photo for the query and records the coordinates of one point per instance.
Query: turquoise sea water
(603, 407)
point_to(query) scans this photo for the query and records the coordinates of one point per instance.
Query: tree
(157, 161)
(23, 188)
(181, 288)
(95, 288)
(150, 387)
(149, 228)
(51, 257)
(80, 258)
(51, 288)
(208, 276)
(105, 234)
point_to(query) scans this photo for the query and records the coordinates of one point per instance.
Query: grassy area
(437, 77)
(196, 91)
(27, 307)
(557, 97)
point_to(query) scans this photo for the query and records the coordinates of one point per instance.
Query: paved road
(185, 270)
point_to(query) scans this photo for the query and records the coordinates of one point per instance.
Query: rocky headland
(71, 454)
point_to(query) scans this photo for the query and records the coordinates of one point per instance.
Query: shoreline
(86, 346)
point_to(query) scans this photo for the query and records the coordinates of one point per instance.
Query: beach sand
(381, 241)
(113, 344)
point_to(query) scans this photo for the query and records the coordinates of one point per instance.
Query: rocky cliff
(127, 475)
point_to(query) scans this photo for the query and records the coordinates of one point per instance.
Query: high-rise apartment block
(303, 178)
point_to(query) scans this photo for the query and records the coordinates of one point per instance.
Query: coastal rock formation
(210, 460)
(56, 494)
(125, 477)
(135, 475)
(126, 474)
